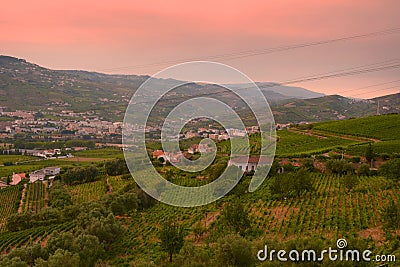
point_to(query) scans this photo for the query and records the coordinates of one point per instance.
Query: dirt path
(349, 137)
(323, 135)
(309, 133)
(21, 203)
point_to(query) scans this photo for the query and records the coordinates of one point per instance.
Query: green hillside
(333, 107)
(384, 127)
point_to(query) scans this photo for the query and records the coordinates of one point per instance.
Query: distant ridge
(27, 86)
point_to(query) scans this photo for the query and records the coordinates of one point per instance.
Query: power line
(249, 53)
(377, 90)
(335, 74)
(368, 86)
(342, 74)
(355, 67)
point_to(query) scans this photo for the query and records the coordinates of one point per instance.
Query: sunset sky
(121, 36)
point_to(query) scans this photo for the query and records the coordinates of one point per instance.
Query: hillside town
(56, 125)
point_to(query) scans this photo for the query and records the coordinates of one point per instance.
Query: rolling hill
(27, 86)
(332, 107)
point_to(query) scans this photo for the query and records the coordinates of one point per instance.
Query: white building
(36, 176)
(249, 164)
(51, 170)
(39, 175)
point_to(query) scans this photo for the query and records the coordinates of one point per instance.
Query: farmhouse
(36, 176)
(249, 164)
(51, 170)
(17, 177)
(199, 148)
(39, 175)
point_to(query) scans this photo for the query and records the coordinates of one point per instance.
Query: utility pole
(377, 109)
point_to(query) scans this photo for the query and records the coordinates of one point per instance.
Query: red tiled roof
(158, 153)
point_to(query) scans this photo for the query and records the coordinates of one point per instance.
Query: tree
(116, 167)
(216, 171)
(171, 236)
(292, 184)
(8, 180)
(337, 166)
(14, 262)
(80, 175)
(236, 216)
(282, 185)
(348, 168)
(124, 203)
(198, 230)
(391, 216)
(363, 170)
(62, 241)
(234, 250)
(106, 228)
(59, 197)
(28, 254)
(308, 164)
(193, 256)
(391, 169)
(63, 258)
(89, 249)
(349, 182)
(369, 154)
(302, 182)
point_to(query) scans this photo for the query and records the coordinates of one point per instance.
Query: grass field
(107, 153)
(15, 158)
(36, 165)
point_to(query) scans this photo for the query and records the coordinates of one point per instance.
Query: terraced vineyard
(88, 191)
(117, 182)
(34, 199)
(9, 240)
(380, 148)
(9, 202)
(143, 229)
(383, 127)
(329, 211)
(298, 144)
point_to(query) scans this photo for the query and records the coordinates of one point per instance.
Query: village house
(157, 154)
(199, 148)
(174, 157)
(17, 178)
(40, 175)
(190, 135)
(249, 164)
(51, 170)
(36, 176)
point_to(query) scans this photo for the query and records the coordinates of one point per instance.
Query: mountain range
(27, 86)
